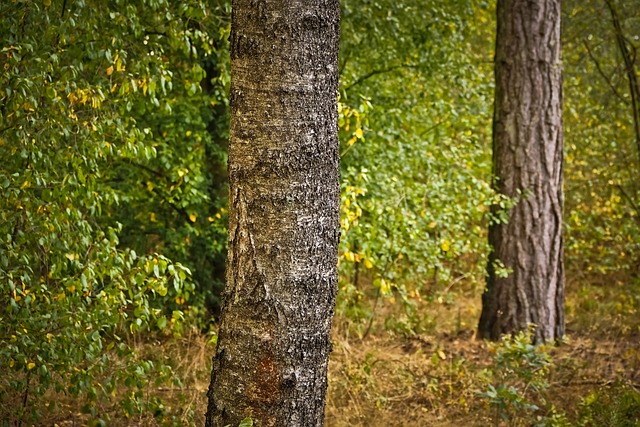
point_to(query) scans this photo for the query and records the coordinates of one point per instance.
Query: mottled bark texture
(273, 345)
(528, 164)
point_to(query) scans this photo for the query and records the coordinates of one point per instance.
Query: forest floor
(392, 376)
(437, 379)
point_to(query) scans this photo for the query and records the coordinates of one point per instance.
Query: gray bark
(273, 345)
(527, 158)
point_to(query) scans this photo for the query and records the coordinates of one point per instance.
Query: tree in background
(273, 346)
(525, 283)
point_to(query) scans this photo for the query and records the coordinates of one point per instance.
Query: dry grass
(432, 378)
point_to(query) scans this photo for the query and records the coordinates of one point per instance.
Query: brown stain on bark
(264, 387)
(264, 390)
(283, 212)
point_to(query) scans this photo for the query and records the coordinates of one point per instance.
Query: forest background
(113, 132)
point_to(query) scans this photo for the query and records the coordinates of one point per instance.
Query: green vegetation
(113, 130)
(105, 193)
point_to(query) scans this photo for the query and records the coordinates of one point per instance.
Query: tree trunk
(273, 345)
(528, 164)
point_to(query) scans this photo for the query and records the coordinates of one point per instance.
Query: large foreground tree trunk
(273, 346)
(527, 156)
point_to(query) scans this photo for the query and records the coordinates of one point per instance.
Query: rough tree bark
(273, 345)
(528, 164)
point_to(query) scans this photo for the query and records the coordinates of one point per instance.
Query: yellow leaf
(359, 133)
(31, 365)
(152, 217)
(441, 355)
(193, 217)
(110, 70)
(432, 224)
(11, 363)
(445, 245)
(385, 288)
(368, 263)
(70, 257)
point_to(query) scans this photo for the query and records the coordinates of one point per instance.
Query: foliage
(247, 422)
(519, 373)
(615, 405)
(101, 107)
(602, 161)
(414, 127)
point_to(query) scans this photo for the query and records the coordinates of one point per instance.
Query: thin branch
(629, 58)
(629, 199)
(64, 8)
(602, 73)
(378, 72)
(6, 128)
(155, 33)
(342, 67)
(144, 167)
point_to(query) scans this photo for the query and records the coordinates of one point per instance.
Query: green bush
(518, 378)
(104, 131)
(615, 405)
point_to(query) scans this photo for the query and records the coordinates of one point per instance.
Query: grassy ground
(394, 376)
(435, 379)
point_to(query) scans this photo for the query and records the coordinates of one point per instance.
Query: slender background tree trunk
(528, 164)
(273, 347)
